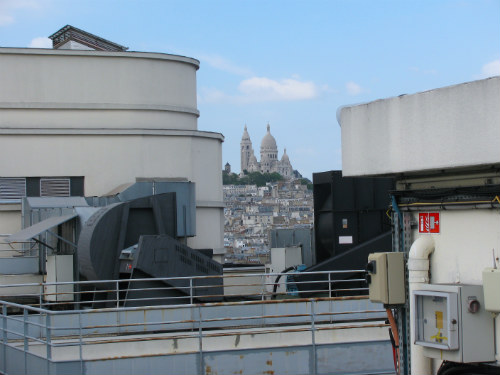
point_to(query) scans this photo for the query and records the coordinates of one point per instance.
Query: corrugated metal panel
(55, 187)
(12, 188)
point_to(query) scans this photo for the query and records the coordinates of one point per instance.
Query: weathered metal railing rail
(35, 336)
(256, 286)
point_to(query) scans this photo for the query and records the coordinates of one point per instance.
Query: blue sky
(290, 63)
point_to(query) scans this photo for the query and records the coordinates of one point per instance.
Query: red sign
(428, 222)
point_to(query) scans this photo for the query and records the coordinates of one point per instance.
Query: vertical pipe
(418, 269)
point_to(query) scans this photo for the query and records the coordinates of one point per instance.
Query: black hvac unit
(348, 211)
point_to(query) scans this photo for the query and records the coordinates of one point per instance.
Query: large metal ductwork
(118, 226)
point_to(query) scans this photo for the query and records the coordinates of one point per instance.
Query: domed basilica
(269, 161)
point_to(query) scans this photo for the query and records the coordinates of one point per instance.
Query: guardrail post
(80, 348)
(25, 339)
(200, 342)
(48, 340)
(263, 287)
(4, 337)
(117, 294)
(191, 290)
(41, 295)
(329, 284)
(313, 339)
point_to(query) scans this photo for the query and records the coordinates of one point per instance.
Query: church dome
(268, 142)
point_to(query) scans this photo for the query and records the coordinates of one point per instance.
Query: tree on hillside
(251, 178)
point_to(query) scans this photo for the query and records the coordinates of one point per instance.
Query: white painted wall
(465, 245)
(442, 128)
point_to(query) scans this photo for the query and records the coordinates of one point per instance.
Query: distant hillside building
(269, 161)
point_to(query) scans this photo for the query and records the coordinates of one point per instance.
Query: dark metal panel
(77, 187)
(163, 256)
(185, 200)
(352, 259)
(32, 186)
(348, 207)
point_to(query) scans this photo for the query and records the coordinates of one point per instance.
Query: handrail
(188, 289)
(51, 329)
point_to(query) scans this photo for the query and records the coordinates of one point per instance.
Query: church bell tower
(245, 150)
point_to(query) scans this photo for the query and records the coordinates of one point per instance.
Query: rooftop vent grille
(12, 188)
(54, 187)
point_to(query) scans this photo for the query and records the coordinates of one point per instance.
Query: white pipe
(418, 274)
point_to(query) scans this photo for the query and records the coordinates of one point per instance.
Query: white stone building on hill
(269, 162)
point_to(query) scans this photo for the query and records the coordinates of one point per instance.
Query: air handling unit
(129, 235)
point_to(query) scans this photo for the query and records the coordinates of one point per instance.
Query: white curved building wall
(54, 88)
(111, 117)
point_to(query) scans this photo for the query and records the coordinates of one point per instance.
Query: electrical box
(59, 269)
(491, 287)
(281, 259)
(385, 277)
(284, 257)
(452, 324)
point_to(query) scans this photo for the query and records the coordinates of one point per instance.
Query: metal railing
(18, 249)
(186, 290)
(39, 332)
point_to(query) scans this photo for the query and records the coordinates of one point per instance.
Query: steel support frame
(401, 242)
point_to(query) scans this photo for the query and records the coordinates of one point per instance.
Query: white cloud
(8, 7)
(354, 89)
(266, 89)
(219, 62)
(40, 42)
(262, 89)
(490, 69)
